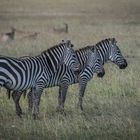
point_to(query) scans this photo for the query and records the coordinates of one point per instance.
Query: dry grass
(111, 104)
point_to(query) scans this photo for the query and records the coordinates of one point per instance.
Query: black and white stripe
(35, 72)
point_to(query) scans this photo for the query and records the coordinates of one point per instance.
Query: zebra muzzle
(124, 65)
(101, 74)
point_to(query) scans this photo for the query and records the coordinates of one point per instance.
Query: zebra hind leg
(16, 97)
(81, 95)
(8, 93)
(30, 101)
(36, 95)
(61, 99)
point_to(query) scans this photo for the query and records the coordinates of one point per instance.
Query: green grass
(111, 105)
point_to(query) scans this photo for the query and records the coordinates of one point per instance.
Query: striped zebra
(105, 50)
(35, 72)
(108, 51)
(65, 76)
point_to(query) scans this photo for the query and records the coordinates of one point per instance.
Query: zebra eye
(118, 51)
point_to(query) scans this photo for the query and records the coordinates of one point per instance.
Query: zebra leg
(64, 89)
(8, 93)
(36, 95)
(59, 100)
(16, 97)
(24, 93)
(30, 102)
(81, 94)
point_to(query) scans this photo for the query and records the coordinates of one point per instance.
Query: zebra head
(94, 61)
(116, 55)
(70, 58)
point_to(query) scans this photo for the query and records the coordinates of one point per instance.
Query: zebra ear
(63, 41)
(93, 48)
(113, 40)
(88, 47)
(69, 43)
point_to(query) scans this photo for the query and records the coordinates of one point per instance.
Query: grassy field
(111, 104)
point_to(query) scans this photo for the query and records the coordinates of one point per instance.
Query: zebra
(35, 72)
(108, 51)
(90, 62)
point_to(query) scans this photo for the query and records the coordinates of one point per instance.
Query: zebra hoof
(19, 115)
(63, 113)
(29, 110)
(78, 105)
(60, 110)
(35, 117)
(81, 108)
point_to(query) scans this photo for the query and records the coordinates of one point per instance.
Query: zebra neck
(104, 54)
(82, 56)
(49, 63)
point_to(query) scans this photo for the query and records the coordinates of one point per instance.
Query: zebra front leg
(59, 100)
(8, 93)
(81, 94)
(30, 101)
(16, 97)
(36, 95)
(64, 89)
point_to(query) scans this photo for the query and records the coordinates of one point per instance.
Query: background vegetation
(111, 104)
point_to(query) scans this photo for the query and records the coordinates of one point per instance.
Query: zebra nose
(101, 74)
(124, 65)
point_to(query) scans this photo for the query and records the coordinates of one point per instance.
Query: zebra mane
(52, 48)
(25, 56)
(102, 41)
(51, 60)
(85, 48)
(106, 41)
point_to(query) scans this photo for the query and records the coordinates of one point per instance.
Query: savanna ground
(111, 104)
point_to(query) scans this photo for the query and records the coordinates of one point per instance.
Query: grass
(111, 104)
